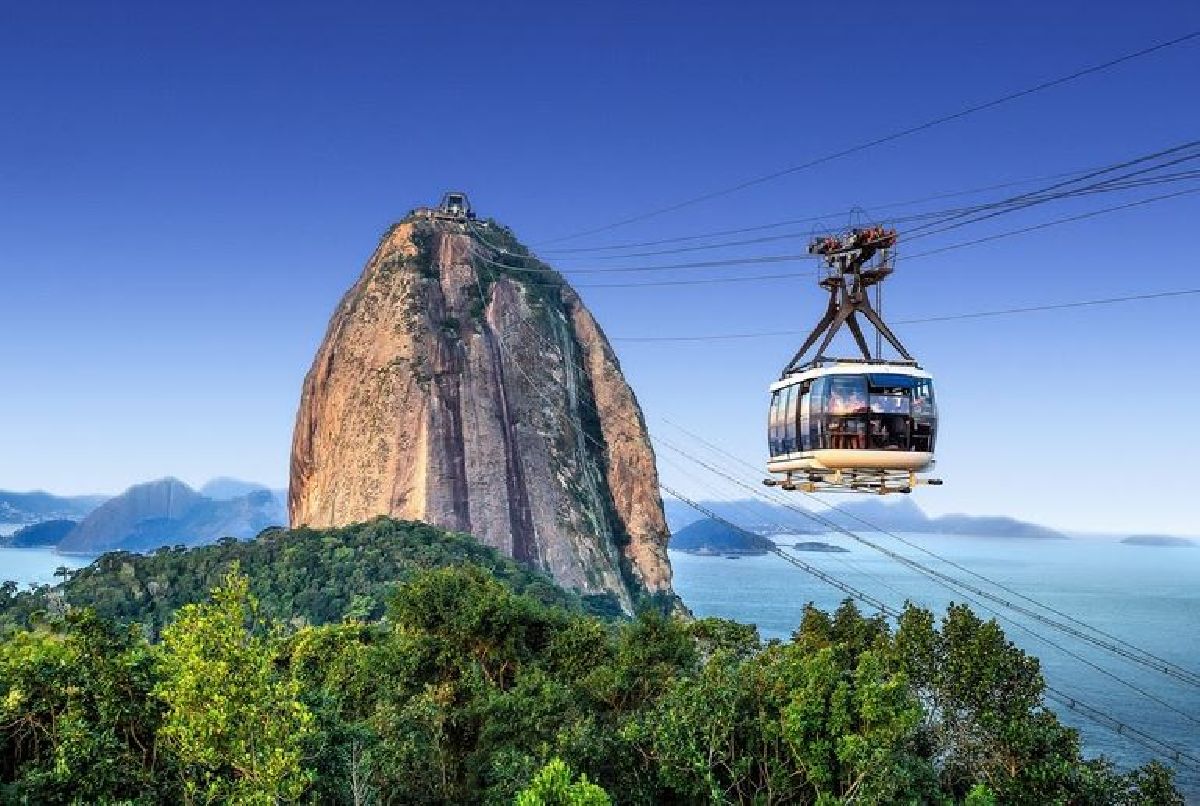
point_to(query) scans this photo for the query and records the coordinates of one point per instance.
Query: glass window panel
(924, 409)
(885, 381)
(922, 397)
(805, 425)
(847, 394)
(789, 423)
(816, 405)
(890, 404)
(773, 424)
(820, 389)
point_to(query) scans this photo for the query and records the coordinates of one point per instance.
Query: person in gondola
(879, 434)
(855, 403)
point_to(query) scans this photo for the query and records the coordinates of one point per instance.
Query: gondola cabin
(861, 425)
(852, 424)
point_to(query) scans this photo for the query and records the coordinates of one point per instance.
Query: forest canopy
(472, 680)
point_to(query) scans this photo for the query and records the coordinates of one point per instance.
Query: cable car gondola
(861, 424)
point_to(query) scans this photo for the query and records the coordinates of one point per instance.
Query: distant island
(899, 516)
(711, 536)
(813, 545)
(1169, 541)
(36, 535)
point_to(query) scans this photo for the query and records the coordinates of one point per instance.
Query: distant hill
(46, 533)
(900, 515)
(710, 536)
(757, 516)
(1166, 541)
(224, 488)
(169, 512)
(40, 506)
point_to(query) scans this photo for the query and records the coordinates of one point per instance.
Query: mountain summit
(462, 382)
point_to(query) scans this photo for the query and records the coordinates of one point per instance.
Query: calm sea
(27, 566)
(1149, 596)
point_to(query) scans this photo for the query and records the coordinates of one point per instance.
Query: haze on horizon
(195, 188)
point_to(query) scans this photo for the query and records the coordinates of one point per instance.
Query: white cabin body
(852, 416)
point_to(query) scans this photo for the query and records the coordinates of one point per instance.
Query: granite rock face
(463, 383)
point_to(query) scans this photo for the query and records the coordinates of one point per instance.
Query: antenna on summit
(455, 206)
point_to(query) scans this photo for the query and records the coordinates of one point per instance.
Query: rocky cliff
(463, 383)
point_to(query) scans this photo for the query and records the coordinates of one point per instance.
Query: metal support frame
(880, 482)
(848, 282)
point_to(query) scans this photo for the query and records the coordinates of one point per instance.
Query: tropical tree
(556, 785)
(234, 725)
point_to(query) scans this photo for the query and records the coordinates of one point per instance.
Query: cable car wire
(991, 209)
(929, 124)
(840, 557)
(938, 217)
(1030, 199)
(1120, 728)
(700, 264)
(1149, 742)
(928, 253)
(1116, 647)
(1039, 637)
(1183, 292)
(684, 281)
(849, 590)
(811, 219)
(760, 259)
(1056, 222)
(957, 566)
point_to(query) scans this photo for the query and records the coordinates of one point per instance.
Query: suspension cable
(1155, 745)
(929, 124)
(1135, 655)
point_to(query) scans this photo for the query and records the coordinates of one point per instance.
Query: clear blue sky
(187, 190)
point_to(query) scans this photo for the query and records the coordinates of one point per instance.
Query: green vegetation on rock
(301, 576)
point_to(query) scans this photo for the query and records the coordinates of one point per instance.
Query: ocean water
(1146, 595)
(35, 566)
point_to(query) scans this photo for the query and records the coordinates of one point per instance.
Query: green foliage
(484, 683)
(512, 259)
(554, 785)
(980, 795)
(423, 239)
(232, 722)
(299, 576)
(77, 717)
